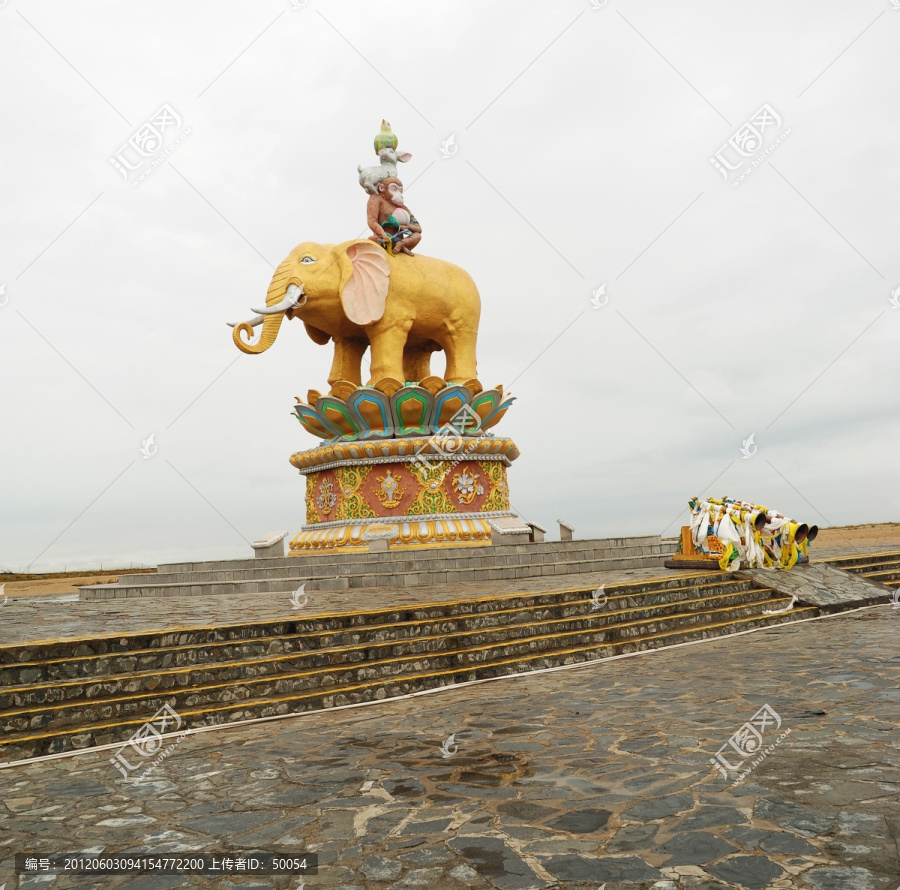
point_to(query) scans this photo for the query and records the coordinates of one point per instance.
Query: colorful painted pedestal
(358, 491)
(412, 465)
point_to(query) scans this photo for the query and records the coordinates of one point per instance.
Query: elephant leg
(388, 345)
(417, 361)
(347, 364)
(461, 364)
(412, 363)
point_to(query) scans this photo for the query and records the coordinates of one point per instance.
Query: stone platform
(598, 774)
(401, 567)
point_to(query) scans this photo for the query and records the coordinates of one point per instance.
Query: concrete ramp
(821, 585)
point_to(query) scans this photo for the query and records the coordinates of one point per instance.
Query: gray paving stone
(420, 877)
(294, 796)
(403, 788)
(522, 832)
(434, 826)
(747, 837)
(695, 848)
(659, 808)
(428, 856)
(404, 843)
(752, 872)
(380, 868)
(606, 868)
(272, 832)
(381, 826)
(84, 788)
(524, 810)
(464, 875)
(231, 824)
(633, 837)
(789, 815)
(852, 878)
(497, 862)
(782, 842)
(712, 816)
(581, 821)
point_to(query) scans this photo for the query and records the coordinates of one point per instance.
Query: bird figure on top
(386, 138)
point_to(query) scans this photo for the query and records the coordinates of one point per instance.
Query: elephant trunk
(243, 335)
(276, 305)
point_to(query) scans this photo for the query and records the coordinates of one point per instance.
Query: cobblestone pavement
(577, 778)
(44, 618)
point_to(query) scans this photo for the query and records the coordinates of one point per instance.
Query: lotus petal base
(391, 410)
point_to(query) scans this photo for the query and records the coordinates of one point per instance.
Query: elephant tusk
(293, 299)
(253, 322)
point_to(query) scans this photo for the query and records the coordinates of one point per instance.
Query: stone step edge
(747, 585)
(447, 561)
(391, 555)
(410, 552)
(341, 649)
(880, 573)
(662, 582)
(15, 738)
(99, 701)
(98, 592)
(875, 573)
(860, 559)
(388, 569)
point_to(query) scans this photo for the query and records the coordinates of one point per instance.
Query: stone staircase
(76, 693)
(881, 567)
(393, 568)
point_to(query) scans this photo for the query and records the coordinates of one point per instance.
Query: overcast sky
(731, 308)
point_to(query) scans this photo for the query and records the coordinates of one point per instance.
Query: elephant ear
(364, 282)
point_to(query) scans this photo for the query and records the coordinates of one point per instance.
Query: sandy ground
(38, 586)
(886, 535)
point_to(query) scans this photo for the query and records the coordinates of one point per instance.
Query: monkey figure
(395, 228)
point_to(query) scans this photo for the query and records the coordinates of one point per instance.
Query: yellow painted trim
(395, 548)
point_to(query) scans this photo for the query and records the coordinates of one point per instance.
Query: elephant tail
(242, 334)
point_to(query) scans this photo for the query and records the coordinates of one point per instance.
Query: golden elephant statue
(359, 296)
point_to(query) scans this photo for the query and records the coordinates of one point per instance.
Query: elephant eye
(307, 260)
